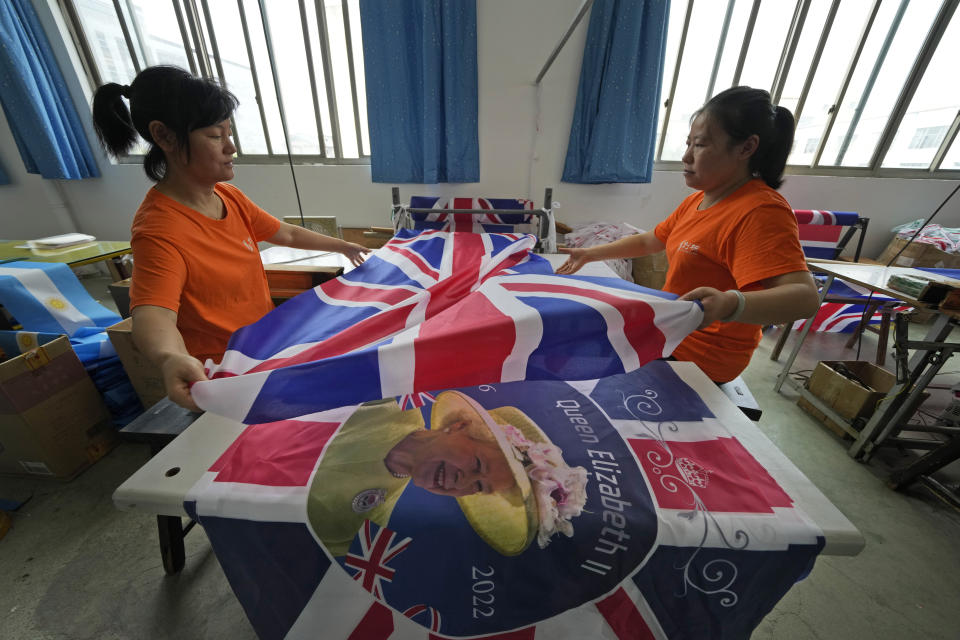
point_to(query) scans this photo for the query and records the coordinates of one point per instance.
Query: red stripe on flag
(265, 454)
(520, 634)
(623, 617)
(377, 624)
(372, 329)
(820, 232)
(462, 222)
(638, 317)
(337, 289)
(468, 253)
(464, 349)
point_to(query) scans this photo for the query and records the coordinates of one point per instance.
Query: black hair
(171, 95)
(742, 112)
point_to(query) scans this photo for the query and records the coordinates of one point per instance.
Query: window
(927, 137)
(314, 46)
(871, 82)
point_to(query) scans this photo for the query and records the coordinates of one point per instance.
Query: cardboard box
(146, 378)
(852, 400)
(651, 271)
(356, 235)
(918, 254)
(53, 421)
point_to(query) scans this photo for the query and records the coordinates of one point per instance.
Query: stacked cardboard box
(918, 254)
(651, 271)
(53, 421)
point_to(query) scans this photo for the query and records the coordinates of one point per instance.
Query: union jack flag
(372, 564)
(489, 223)
(435, 310)
(415, 400)
(841, 317)
(820, 230)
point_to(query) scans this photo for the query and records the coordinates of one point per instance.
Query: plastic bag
(594, 233)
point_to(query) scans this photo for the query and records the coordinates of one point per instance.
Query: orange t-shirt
(208, 271)
(747, 237)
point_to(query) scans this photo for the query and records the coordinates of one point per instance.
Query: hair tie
(125, 91)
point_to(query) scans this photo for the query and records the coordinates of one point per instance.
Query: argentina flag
(48, 301)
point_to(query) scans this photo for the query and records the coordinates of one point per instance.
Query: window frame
(198, 38)
(946, 12)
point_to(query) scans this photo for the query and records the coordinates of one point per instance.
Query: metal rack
(546, 227)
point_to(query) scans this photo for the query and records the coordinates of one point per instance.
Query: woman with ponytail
(733, 244)
(197, 272)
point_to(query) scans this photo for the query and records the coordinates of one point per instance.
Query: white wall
(515, 39)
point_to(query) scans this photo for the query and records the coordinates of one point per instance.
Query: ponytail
(112, 121)
(770, 166)
(742, 112)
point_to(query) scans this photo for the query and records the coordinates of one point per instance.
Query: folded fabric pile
(944, 238)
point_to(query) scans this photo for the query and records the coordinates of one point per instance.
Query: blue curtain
(613, 136)
(4, 179)
(35, 99)
(420, 61)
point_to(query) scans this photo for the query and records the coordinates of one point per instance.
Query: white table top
(302, 257)
(159, 487)
(875, 276)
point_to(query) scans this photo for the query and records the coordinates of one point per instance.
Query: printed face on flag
(509, 498)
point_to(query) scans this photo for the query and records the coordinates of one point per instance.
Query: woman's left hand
(716, 304)
(355, 253)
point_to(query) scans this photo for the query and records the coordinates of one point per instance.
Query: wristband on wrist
(741, 303)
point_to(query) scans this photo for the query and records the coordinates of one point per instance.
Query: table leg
(781, 340)
(172, 532)
(803, 334)
(885, 313)
(862, 325)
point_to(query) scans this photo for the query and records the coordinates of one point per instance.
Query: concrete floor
(73, 567)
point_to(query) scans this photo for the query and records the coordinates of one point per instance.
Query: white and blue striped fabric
(47, 300)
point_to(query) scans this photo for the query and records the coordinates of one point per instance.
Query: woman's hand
(716, 304)
(578, 258)
(355, 253)
(179, 372)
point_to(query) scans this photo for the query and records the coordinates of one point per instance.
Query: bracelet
(741, 303)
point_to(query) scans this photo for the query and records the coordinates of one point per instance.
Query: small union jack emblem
(377, 549)
(415, 400)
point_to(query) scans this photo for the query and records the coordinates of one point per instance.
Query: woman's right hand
(179, 372)
(578, 258)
